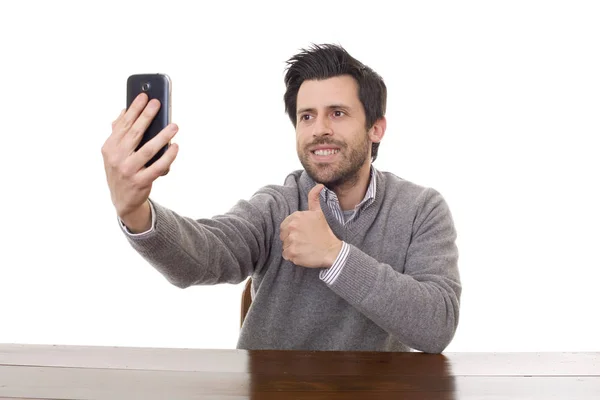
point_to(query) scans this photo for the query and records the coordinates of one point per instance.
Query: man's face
(331, 138)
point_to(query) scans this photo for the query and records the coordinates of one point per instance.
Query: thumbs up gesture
(307, 238)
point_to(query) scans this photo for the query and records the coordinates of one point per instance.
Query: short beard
(347, 173)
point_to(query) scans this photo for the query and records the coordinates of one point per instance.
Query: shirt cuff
(329, 275)
(129, 233)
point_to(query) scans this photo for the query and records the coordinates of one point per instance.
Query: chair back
(246, 300)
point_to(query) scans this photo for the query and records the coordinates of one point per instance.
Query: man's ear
(377, 130)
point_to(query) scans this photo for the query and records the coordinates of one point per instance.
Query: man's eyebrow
(329, 107)
(303, 110)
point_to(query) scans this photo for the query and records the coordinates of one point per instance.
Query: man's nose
(322, 127)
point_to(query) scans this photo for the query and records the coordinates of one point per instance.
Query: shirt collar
(329, 195)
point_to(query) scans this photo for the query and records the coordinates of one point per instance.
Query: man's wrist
(140, 220)
(333, 254)
(329, 275)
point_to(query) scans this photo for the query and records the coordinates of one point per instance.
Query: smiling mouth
(325, 152)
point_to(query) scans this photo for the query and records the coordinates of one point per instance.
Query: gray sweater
(399, 289)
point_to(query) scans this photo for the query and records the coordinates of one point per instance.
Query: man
(342, 256)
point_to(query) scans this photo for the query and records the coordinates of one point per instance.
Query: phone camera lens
(146, 86)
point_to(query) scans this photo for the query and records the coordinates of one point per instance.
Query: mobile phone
(156, 86)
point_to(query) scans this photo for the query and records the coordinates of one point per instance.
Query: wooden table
(74, 372)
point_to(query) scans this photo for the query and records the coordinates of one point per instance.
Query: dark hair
(328, 61)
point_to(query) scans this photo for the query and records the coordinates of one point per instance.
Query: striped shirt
(330, 274)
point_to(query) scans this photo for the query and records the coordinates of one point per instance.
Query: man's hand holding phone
(129, 180)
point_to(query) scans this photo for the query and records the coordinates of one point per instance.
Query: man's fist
(307, 238)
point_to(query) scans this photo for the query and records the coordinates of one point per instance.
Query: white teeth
(326, 152)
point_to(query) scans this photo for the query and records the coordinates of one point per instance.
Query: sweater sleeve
(420, 306)
(224, 249)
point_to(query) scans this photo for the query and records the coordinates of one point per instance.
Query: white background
(494, 104)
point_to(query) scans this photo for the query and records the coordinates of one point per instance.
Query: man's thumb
(314, 202)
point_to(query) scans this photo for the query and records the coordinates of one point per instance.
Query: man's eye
(305, 117)
(338, 113)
